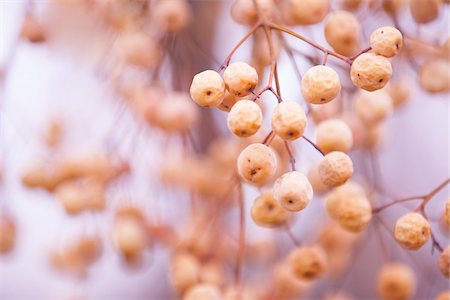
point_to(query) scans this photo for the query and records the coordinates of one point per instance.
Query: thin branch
(314, 145)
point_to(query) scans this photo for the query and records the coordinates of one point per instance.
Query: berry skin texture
(228, 102)
(434, 76)
(342, 31)
(240, 78)
(308, 263)
(207, 88)
(335, 168)
(245, 118)
(305, 12)
(267, 212)
(370, 71)
(424, 11)
(444, 262)
(334, 135)
(386, 41)
(349, 207)
(373, 107)
(203, 292)
(293, 191)
(289, 120)
(396, 281)
(412, 231)
(320, 85)
(257, 164)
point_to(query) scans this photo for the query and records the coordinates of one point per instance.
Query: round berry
(228, 101)
(240, 79)
(412, 231)
(335, 168)
(171, 15)
(245, 118)
(434, 76)
(244, 11)
(308, 263)
(386, 41)
(396, 281)
(424, 11)
(370, 71)
(257, 164)
(267, 212)
(289, 120)
(373, 107)
(140, 50)
(320, 85)
(32, 30)
(207, 88)
(444, 262)
(392, 7)
(203, 291)
(349, 207)
(305, 12)
(285, 284)
(342, 31)
(184, 271)
(293, 191)
(334, 135)
(316, 183)
(8, 233)
(351, 4)
(400, 92)
(176, 113)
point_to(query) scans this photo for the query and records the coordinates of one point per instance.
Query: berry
(184, 271)
(443, 296)
(289, 120)
(424, 11)
(228, 101)
(349, 206)
(400, 92)
(370, 71)
(32, 30)
(305, 12)
(334, 135)
(293, 191)
(244, 11)
(285, 284)
(342, 31)
(412, 231)
(240, 79)
(308, 263)
(245, 118)
(257, 164)
(386, 41)
(335, 168)
(171, 15)
(267, 212)
(373, 107)
(203, 291)
(447, 212)
(176, 113)
(140, 50)
(444, 262)
(396, 281)
(434, 76)
(320, 85)
(208, 88)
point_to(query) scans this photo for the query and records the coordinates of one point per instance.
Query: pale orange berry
(267, 212)
(240, 78)
(257, 164)
(386, 41)
(320, 84)
(308, 262)
(412, 231)
(444, 262)
(342, 31)
(207, 88)
(245, 118)
(335, 168)
(293, 191)
(396, 281)
(334, 135)
(424, 11)
(289, 120)
(370, 71)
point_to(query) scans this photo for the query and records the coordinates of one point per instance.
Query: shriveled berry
(293, 191)
(335, 168)
(370, 71)
(334, 135)
(289, 120)
(267, 212)
(308, 263)
(412, 231)
(342, 31)
(245, 118)
(257, 164)
(396, 281)
(240, 78)
(207, 88)
(320, 84)
(444, 262)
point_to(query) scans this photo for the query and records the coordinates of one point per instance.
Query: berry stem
(314, 145)
(268, 139)
(291, 156)
(378, 209)
(292, 237)
(241, 251)
(239, 44)
(435, 242)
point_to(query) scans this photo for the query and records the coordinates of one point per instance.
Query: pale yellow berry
(386, 41)
(373, 107)
(335, 168)
(140, 50)
(308, 263)
(434, 76)
(349, 207)
(176, 113)
(412, 231)
(445, 295)
(293, 191)
(267, 212)
(305, 12)
(370, 71)
(203, 291)
(257, 164)
(444, 262)
(261, 50)
(240, 78)
(316, 183)
(424, 11)
(342, 31)
(334, 135)
(245, 118)
(228, 101)
(400, 92)
(129, 238)
(289, 120)
(184, 271)
(285, 284)
(244, 11)
(447, 212)
(207, 88)
(320, 85)
(171, 15)
(396, 281)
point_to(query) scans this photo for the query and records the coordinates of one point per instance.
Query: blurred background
(64, 102)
